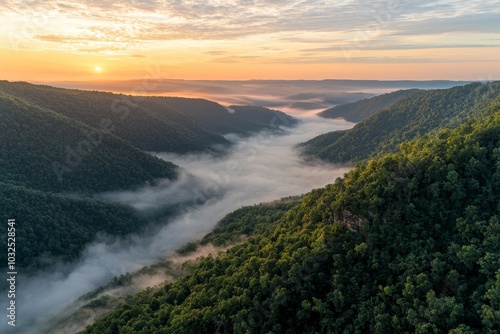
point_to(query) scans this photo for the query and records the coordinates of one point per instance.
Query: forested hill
(56, 227)
(410, 117)
(221, 120)
(406, 243)
(43, 156)
(71, 140)
(357, 111)
(159, 124)
(44, 150)
(59, 141)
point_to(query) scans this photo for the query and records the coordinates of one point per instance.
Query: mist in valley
(257, 169)
(295, 97)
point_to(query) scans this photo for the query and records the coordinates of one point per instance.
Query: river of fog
(260, 168)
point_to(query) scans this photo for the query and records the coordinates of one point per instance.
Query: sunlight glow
(265, 40)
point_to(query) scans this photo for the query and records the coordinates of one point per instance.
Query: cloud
(405, 46)
(157, 21)
(167, 193)
(465, 23)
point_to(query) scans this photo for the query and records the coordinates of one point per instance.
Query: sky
(100, 40)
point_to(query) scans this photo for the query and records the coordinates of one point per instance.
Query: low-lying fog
(260, 168)
(291, 96)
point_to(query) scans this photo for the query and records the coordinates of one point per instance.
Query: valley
(132, 217)
(249, 167)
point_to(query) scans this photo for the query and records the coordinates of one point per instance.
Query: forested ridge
(359, 110)
(231, 230)
(54, 227)
(57, 142)
(411, 117)
(48, 151)
(134, 123)
(46, 155)
(159, 124)
(221, 120)
(404, 243)
(70, 140)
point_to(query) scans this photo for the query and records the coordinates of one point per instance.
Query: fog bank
(291, 96)
(258, 169)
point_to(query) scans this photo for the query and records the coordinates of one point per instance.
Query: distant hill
(359, 110)
(259, 117)
(45, 150)
(219, 119)
(157, 124)
(297, 94)
(413, 116)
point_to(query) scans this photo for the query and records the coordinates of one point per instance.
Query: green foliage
(188, 248)
(147, 126)
(411, 117)
(99, 302)
(359, 110)
(406, 243)
(54, 227)
(71, 140)
(158, 124)
(53, 224)
(248, 221)
(48, 151)
(61, 141)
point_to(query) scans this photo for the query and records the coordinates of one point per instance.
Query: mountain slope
(404, 243)
(131, 121)
(48, 151)
(159, 124)
(54, 227)
(43, 156)
(71, 140)
(231, 230)
(221, 120)
(411, 117)
(359, 110)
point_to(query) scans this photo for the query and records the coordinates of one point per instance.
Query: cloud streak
(89, 23)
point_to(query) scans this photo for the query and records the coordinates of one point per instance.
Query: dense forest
(357, 111)
(60, 147)
(411, 117)
(48, 151)
(57, 227)
(157, 124)
(231, 230)
(248, 221)
(404, 243)
(221, 120)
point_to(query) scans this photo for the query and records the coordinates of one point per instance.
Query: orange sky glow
(239, 40)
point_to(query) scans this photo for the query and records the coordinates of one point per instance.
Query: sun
(98, 69)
